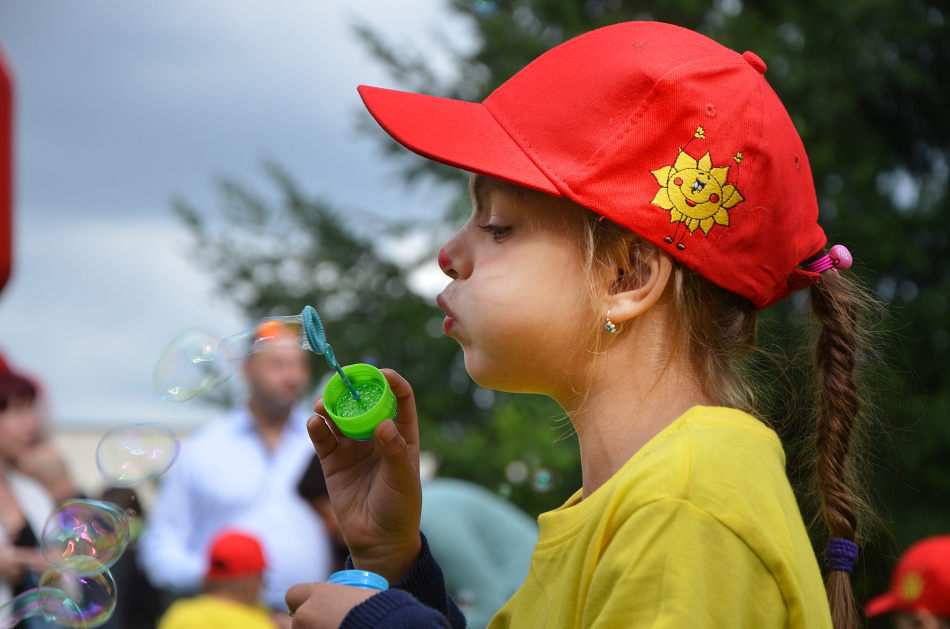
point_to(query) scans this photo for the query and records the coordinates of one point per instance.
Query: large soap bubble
(69, 600)
(84, 536)
(191, 364)
(197, 361)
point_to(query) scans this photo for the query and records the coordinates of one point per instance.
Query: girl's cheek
(487, 262)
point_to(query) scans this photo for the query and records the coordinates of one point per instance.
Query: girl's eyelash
(496, 231)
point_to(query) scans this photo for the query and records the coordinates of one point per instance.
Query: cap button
(755, 61)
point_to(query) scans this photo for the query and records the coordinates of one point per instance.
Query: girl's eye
(498, 233)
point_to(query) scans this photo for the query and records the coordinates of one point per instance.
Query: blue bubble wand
(197, 361)
(317, 338)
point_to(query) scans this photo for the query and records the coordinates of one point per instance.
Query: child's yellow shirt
(207, 612)
(699, 529)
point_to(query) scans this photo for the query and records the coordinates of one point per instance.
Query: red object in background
(6, 172)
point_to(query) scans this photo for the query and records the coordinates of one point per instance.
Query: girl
(639, 193)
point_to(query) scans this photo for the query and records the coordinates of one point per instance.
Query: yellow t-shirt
(700, 528)
(211, 612)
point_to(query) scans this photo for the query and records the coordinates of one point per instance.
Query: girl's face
(19, 427)
(519, 302)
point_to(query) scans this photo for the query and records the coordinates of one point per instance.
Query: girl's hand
(323, 605)
(374, 485)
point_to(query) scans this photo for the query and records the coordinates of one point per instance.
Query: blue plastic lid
(359, 578)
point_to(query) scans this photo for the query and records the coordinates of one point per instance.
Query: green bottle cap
(358, 418)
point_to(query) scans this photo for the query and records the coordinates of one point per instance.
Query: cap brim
(456, 133)
(882, 604)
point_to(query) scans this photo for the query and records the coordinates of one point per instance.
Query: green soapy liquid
(370, 394)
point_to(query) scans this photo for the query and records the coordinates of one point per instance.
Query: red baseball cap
(235, 554)
(921, 580)
(657, 128)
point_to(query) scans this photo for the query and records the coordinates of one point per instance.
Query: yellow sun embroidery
(695, 193)
(911, 587)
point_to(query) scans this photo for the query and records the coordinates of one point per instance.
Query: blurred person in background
(137, 602)
(24, 502)
(919, 596)
(232, 585)
(242, 471)
(41, 459)
(313, 488)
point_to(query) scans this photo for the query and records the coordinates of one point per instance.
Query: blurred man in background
(242, 471)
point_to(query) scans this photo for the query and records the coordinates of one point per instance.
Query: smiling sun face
(695, 193)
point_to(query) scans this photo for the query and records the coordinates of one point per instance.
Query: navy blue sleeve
(419, 600)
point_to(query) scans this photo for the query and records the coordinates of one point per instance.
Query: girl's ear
(639, 286)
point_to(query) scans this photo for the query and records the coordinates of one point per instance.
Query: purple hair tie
(840, 554)
(839, 258)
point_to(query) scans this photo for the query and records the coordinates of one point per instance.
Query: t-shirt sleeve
(671, 564)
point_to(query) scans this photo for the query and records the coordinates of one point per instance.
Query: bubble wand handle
(318, 343)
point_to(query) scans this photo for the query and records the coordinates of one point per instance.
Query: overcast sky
(121, 107)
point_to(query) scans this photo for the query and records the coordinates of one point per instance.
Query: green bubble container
(358, 426)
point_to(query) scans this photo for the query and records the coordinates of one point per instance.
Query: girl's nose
(445, 263)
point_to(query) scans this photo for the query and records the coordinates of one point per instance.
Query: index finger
(406, 419)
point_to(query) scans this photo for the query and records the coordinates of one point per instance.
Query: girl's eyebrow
(480, 185)
(476, 185)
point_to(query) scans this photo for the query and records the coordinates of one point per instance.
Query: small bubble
(516, 472)
(132, 454)
(484, 7)
(77, 601)
(543, 480)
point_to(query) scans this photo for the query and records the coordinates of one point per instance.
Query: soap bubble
(197, 361)
(484, 7)
(190, 366)
(80, 601)
(69, 600)
(543, 480)
(84, 536)
(132, 454)
(34, 603)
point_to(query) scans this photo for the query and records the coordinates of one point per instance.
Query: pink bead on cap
(838, 259)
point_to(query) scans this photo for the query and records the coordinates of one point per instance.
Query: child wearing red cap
(232, 588)
(639, 193)
(919, 597)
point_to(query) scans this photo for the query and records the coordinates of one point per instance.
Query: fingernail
(312, 422)
(390, 431)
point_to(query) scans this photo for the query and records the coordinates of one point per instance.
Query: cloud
(119, 108)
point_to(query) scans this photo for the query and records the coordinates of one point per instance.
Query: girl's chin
(492, 378)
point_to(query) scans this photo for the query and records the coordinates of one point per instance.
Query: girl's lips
(449, 320)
